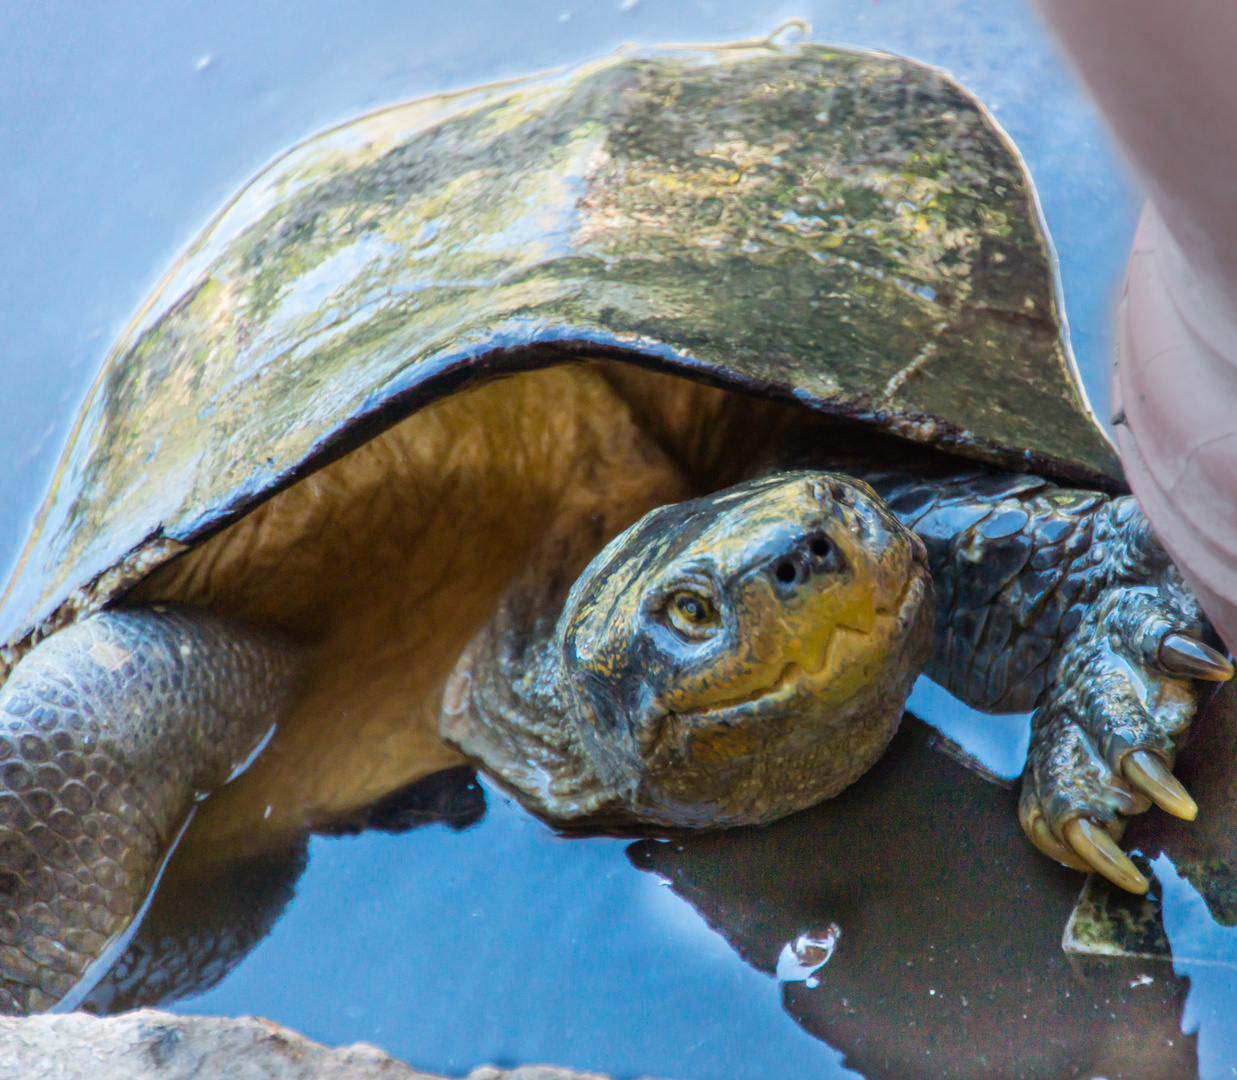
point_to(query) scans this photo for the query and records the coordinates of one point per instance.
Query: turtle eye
(691, 614)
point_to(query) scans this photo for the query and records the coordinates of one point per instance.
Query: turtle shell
(843, 229)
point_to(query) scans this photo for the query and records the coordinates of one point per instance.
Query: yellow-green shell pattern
(845, 229)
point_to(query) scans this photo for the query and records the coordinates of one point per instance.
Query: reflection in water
(268, 94)
(910, 927)
(208, 914)
(801, 959)
(995, 746)
(1209, 1005)
(198, 928)
(507, 943)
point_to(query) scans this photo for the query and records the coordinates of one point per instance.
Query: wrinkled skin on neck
(726, 660)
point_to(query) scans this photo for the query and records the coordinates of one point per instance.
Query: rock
(147, 1044)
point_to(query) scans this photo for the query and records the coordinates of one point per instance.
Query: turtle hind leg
(109, 732)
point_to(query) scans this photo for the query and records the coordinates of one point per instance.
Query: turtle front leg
(109, 732)
(1120, 697)
(1066, 603)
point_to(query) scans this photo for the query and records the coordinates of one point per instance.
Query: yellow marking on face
(799, 686)
(824, 630)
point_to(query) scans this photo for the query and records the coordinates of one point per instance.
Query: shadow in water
(949, 958)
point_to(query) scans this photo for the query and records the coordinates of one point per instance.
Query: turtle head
(737, 657)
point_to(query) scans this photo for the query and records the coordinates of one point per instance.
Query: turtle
(637, 434)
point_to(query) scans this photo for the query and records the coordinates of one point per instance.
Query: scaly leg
(1107, 731)
(1065, 602)
(109, 731)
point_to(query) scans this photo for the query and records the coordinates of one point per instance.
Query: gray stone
(147, 1044)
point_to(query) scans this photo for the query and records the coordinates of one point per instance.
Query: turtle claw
(1183, 655)
(1145, 771)
(1092, 844)
(1041, 836)
(1120, 696)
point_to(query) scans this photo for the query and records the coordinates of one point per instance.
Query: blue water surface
(509, 944)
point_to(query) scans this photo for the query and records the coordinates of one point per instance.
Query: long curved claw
(1184, 655)
(1145, 771)
(1042, 838)
(1119, 695)
(1093, 845)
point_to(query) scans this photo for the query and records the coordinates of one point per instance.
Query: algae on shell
(842, 228)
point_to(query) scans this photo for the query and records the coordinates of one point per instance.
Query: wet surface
(502, 942)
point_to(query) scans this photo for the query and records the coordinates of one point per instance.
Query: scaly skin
(108, 732)
(1064, 602)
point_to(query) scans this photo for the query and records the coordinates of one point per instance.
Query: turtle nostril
(786, 572)
(820, 546)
